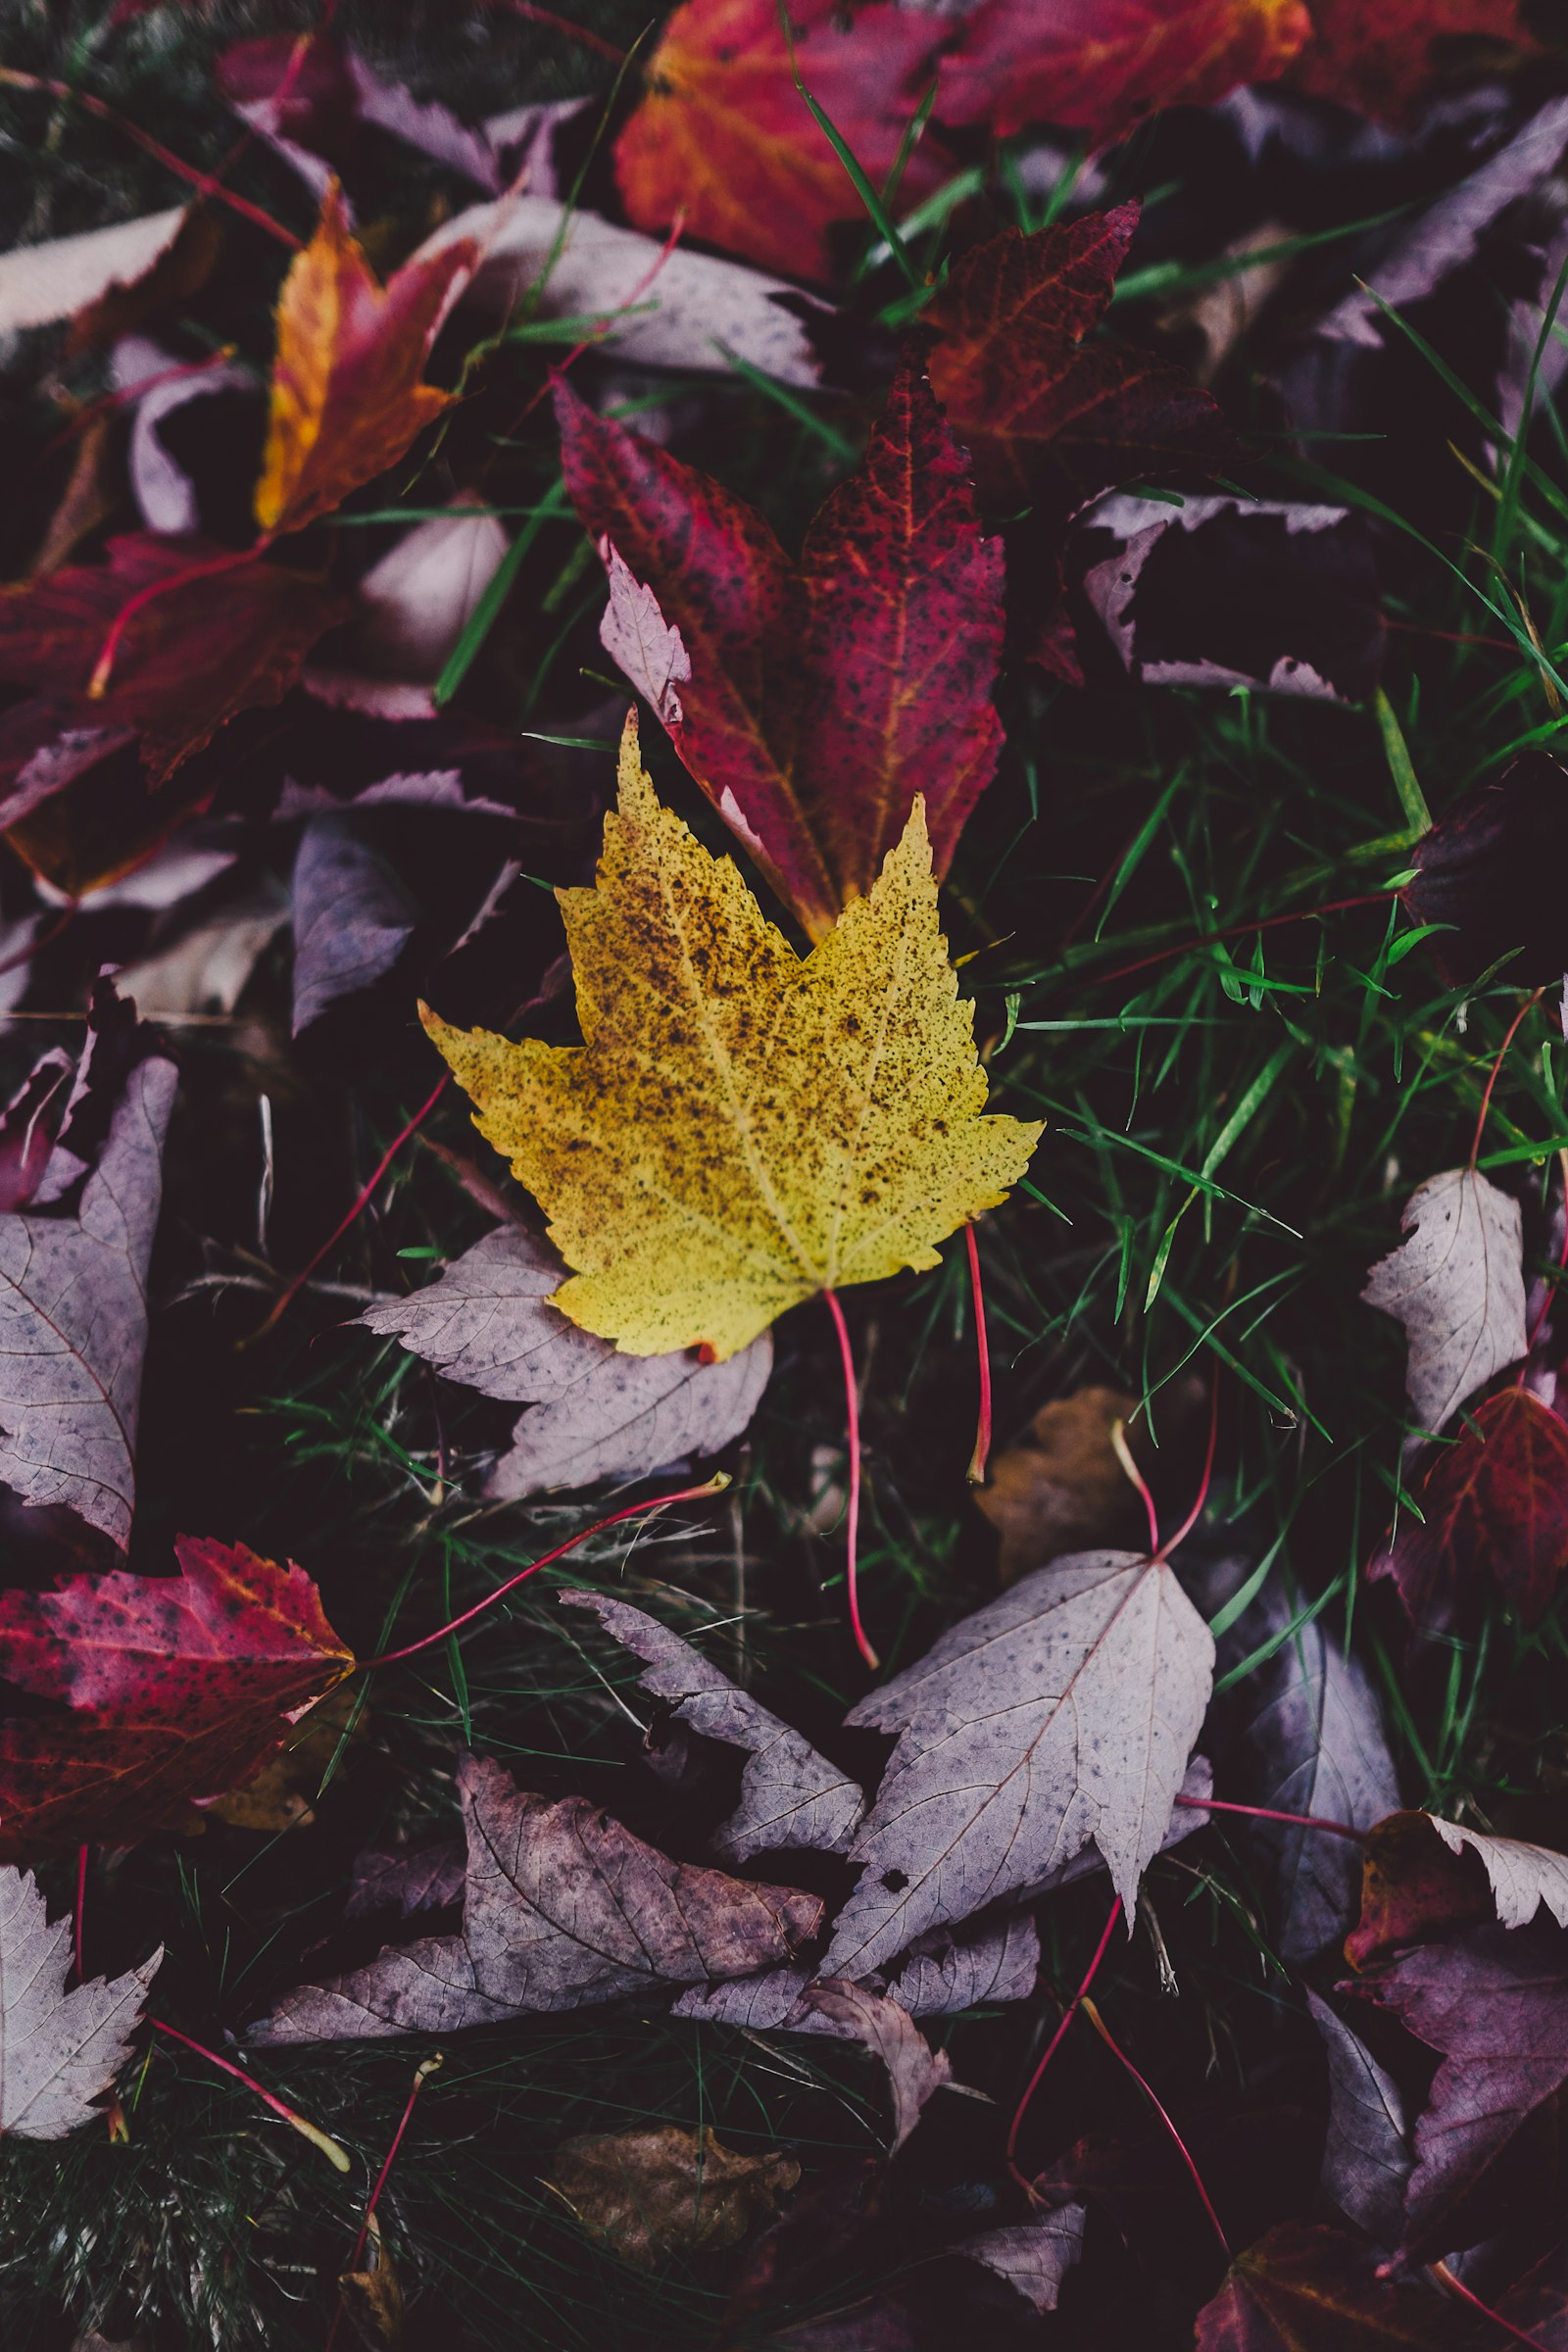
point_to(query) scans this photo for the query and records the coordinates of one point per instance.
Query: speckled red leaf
(820, 697)
(1100, 66)
(1495, 1505)
(1051, 414)
(199, 650)
(725, 137)
(1308, 2288)
(177, 1688)
(345, 394)
(1385, 61)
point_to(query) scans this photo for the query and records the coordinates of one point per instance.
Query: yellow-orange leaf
(743, 1127)
(347, 398)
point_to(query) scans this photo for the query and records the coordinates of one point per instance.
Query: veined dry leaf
(58, 2050)
(725, 137)
(809, 701)
(563, 1907)
(1458, 1286)
(1522, 1877)
(1063, 1712)
(915, 2070)
(423, 1878)
(1052, 413)
(743, 1128)
(1099, 69)
(1366, 2155)
(488, 1321)
(1495, 1511)
(651, 2195)
(177, 1688)
(1033, 2256)
(346, 397)
(1001, 1964)
(353, 918)
(1060, 1486)
(1308, 2289)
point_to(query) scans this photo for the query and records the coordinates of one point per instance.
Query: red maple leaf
(1493, 1503)
(1383, 60)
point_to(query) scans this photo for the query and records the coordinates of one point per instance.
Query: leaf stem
(1124, 1454)
(420, 2074)
(1051, 2046)
(1300, 1821)
(982, 1435)
(1153, 2098)
(1456, 2286)
(852, 1514)
(1164, 1550)
(313, 2131)
(1528, 1004)
(633, 1510)
(232, 560)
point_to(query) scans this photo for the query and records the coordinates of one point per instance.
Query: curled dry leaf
(790, 1795)
(692, 1152)
(725, 137)
(659, 2192)
(178, 1688)
(1366, 2154)
(1494, 1512)
(915, 2070)
(345, 394)
(353, 918)
(488, 1321)
(372, 2299)
(1060, 1486)
(810, 701)
(1458, 1286)
(1033, 2256)
(563, 1907)
(58, 2050)
(1063, 1712)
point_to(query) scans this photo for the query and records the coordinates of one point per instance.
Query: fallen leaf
(1494, 2003)
(1060, 1486)
(281, 1795)
(1413, 1888)
(1001, 1964)
(1308, 2289)
(1101, 68)
(693, 1155)
(1063, 1712)
(345, 394)
(1033, 2256)
(415, 602)
(1051, 413)
(198, 652)
(179, 1688)
(659, 2192)
(1486, 873)
(427, 1879)
(652, 305)
(1366, 2154)
(1522, 1877)
(1494, 1510)
(58, 2050)
(74, 1321)
(353, 918)
(915, 2072)
(207, 969)
(810, 701)
(563, 1907)
(725, 139)
(372, 2299)
(1225, 592)
(156, 389)
(489, 1322)
(42, 283)
(790, 1795)
(318, 103)
(1385, 62)
(1458, 1286)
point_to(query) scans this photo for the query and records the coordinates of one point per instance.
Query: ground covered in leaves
(1019, 1102)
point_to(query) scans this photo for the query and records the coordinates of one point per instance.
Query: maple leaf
(178, 1688)
(810, 701)
(725, 137)
(193, 654)
(563, 1907)
(1522, 1878)
(659, 2192)
(345, 394)
(1487, 872)
(743, 1128)
(58, 2050)
(1100, 68)
(1458, 1286)
(1384, 61)
(1305, 2287)
(790, 1795)
(1493, 1503)
(1413, 1888)
(1048, 414)
(1367, 2153)
(489, 1321)
(1063, 1712)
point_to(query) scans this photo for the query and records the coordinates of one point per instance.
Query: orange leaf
(347, 398)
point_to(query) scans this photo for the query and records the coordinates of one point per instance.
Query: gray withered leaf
(563, 1907)
(487, 1321)
(1034, 2256)
(352, 918)
(1366, 2154)
(1522, 1877)
(74, 1319)
(998, 1964)
(790, 1795)
(1061, 1713)
(857, 2014)
(1457, 1285)
(58, 2050)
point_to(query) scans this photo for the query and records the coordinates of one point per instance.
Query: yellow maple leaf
(741, 1127)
